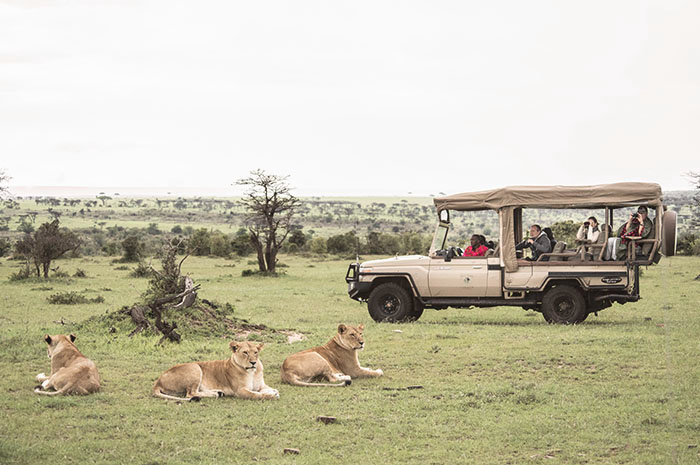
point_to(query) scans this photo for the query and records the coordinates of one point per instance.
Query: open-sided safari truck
(565, 285)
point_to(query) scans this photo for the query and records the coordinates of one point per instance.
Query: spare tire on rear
(668, 233)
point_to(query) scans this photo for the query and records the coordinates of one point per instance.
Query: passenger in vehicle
(638, 226)
(476, 249)
(589, 230)
(550, 235)
(538, 242)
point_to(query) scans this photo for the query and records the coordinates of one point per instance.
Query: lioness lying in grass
(239, 376)
(336, 361)
(71, 371)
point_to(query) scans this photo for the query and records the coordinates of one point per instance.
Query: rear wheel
(564, 305)
(389, 302)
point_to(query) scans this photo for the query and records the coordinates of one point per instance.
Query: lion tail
(293, 380)
(158, 393)
(39, 390)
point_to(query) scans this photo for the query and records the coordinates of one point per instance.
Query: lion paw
(41, 377)
(379, 371)
(271, 393)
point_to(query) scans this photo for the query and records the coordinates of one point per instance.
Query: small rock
(326, 420)
(289, 450)
(647, 318)
(398, 331)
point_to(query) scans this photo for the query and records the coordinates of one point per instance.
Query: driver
(476, 249)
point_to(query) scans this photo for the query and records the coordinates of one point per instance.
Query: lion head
(245, 354)
(54, 341)
(350, 337)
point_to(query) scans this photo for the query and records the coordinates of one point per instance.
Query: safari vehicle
(565, 285)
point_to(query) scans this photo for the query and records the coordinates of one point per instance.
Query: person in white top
(589, 230)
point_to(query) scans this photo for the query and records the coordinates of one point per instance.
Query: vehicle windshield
(439, 238)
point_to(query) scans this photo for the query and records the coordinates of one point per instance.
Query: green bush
(79, 273)
(200, 242)
(72, 298)
(23, 273)
(141, 271)
(219, 245)
(688, 244)
(342, 243)
(318, 245)
(133, 249)
(5, 246)
(241, 244)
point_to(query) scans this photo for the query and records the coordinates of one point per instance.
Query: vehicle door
(458, 277)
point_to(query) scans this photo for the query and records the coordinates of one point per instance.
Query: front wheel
(564, 305)
(389, 302)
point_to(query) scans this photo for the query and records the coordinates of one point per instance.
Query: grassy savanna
(499, 385)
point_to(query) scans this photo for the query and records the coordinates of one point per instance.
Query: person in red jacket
(476, 249)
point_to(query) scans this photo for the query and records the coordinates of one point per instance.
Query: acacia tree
(48, 243)
(269, 207)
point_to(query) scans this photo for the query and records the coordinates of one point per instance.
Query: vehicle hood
(404, 260)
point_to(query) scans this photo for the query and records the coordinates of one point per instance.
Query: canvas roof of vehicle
(603, 195)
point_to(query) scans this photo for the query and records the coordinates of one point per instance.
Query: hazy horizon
(155, 191)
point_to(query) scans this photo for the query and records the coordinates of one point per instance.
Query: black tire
(668, 233)
(564, 305)
(389, 302)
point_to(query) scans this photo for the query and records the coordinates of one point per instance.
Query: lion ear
(47, 338)
(342, 328)
(72, 338)
(261, 345)
(361, 327)
(234, 346)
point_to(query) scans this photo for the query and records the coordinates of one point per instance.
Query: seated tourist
(589, 230)
(538, 242)
(638, 226)
(476, 249)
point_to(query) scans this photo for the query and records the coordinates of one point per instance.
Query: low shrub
(72, 298)
(141, 271)
(80, 273)
(25, 272)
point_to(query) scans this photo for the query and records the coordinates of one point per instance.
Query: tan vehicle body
(565, 286)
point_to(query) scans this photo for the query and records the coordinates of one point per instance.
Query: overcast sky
(361, 98)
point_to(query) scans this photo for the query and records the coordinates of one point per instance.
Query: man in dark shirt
(538, 242)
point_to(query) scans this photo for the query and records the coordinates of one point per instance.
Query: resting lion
(336, 361)
(71, 371)
(239, 376)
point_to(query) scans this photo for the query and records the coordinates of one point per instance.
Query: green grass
(499, 385)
